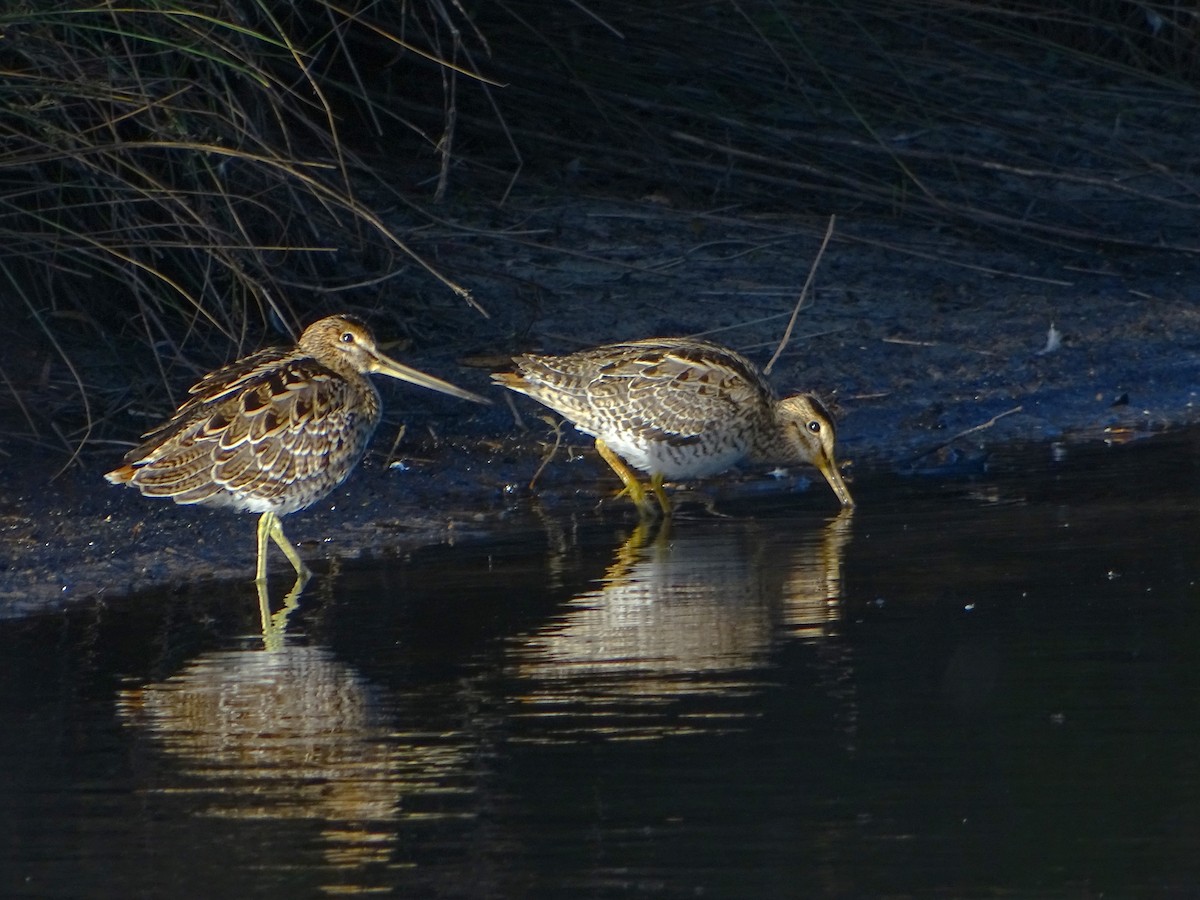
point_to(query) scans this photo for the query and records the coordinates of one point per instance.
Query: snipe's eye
(814, 426)
(347, 337)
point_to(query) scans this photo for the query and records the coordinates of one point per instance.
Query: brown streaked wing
(302, 442)
(208, 393)
(324, 433)
(274, 428)
(696, 390)
(658, 388)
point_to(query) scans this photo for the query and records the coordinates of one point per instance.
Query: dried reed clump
(166, 163)
(1065, 122)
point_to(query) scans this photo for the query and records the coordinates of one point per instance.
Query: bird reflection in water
(293, 735)
(681, 629)
(812, 587)
(274, 624)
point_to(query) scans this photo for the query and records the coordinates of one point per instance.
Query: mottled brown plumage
(275, 431)
(679, 408)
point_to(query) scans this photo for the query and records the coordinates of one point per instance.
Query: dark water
(976, 689)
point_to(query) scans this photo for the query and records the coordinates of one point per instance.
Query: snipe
(678, 408)
(275, 431)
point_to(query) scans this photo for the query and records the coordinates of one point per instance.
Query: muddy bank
(935, 350)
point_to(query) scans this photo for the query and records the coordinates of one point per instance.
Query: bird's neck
(768, 442)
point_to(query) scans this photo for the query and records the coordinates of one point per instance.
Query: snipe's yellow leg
(636, 491)
(270, 527)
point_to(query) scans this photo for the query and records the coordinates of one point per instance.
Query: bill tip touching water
(679, 408)
(275, 431)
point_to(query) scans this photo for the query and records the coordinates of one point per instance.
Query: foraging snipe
(275, 431)
(678, 408)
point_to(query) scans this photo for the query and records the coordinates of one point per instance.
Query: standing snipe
(678, 408)
(275, 431)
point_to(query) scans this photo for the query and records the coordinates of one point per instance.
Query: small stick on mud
(946, 443)
(557, 425)
(391, 457)
(812, 271)
(516, 413)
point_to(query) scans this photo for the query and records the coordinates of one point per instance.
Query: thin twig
(587, 12)
(396, 443)
(549, 455)
(516, 413)
(812, 271)
(946, 443)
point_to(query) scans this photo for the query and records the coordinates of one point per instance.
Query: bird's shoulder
(685, 366)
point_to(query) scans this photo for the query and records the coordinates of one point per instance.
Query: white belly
(676, 462)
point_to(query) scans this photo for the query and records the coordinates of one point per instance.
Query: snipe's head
(345, 344)
(810, 436)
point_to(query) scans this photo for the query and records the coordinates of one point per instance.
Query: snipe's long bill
(275, 431)
(678, 408)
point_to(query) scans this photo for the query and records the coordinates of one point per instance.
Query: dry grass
(1069, 123)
